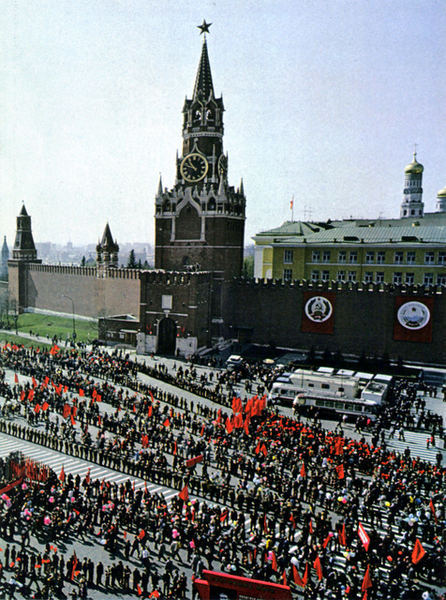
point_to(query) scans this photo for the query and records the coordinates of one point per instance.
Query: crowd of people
(271, 497)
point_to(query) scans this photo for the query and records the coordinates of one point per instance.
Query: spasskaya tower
(199, 223)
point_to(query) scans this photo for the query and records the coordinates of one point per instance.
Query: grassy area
(21, 341)
(62, 327)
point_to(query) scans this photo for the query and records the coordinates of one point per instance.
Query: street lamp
(72, 308)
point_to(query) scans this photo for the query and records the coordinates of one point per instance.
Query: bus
(346, 392)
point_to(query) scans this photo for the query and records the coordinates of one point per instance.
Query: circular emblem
(318, 309)
(413, 315)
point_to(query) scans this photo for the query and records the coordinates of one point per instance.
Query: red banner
(413, 319)
(318, 312)
(191, 462)
(213, 584)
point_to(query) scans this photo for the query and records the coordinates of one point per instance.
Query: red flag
(54, 350)
(73, 569)
(175, 449)
(340, 471)
(432, 507)
(418, 552)
(293, 520)
(263, 450)
(342, 538)
(149, 411)
(166, 423)
(62, 475)
(16, 378)
(73, 422)
(273, 561)
(30, 395)
(302, 470)
(223, 515)
(310, 526)
(366, 582)
(229, 425)
(238, 420)
(184, 494)
(257, 450)
(363, 536)
(66, 410)
(327, 539)
(203, 427)
(284, 581)
(87, 476)
(297, 578)
(22, 395)
(141, 534)
(37, 409)
(305, 577)
(34, 382)
(236, 405)
(81, 392)
(318, 567)
(246, 424)
(139, 590)
(265, 524)
(45, 406)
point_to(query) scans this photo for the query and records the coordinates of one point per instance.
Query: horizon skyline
(80, 125)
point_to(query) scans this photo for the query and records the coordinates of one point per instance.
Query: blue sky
(324, 100)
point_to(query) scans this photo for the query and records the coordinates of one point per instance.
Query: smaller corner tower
(24, 249)
(107, 252)
(24, 253)
(4, 260)
(412, 204)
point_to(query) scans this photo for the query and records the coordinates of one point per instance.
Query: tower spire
(203, 82)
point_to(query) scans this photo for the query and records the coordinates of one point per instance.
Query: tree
(248, 267)
(83, 261)
(132, 260)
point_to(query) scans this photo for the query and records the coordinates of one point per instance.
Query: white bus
(343, 392)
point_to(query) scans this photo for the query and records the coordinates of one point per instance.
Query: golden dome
(442, 193)
(414, 166)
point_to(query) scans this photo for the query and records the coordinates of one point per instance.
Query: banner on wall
(318, 312)
(413, 319)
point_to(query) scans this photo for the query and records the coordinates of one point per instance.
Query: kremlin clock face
(222, 165)
(194, 167)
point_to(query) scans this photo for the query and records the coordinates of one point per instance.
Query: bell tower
(200, 221)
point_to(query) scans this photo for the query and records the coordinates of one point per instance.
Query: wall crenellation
(345, 286)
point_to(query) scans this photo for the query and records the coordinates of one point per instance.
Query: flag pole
(292, 208)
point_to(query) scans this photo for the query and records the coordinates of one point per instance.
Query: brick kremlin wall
(363, 318)
(43, 288)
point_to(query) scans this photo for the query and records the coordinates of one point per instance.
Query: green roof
(375, 235)
(430, 228)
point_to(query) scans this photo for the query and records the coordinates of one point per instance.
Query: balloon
(46, 520)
